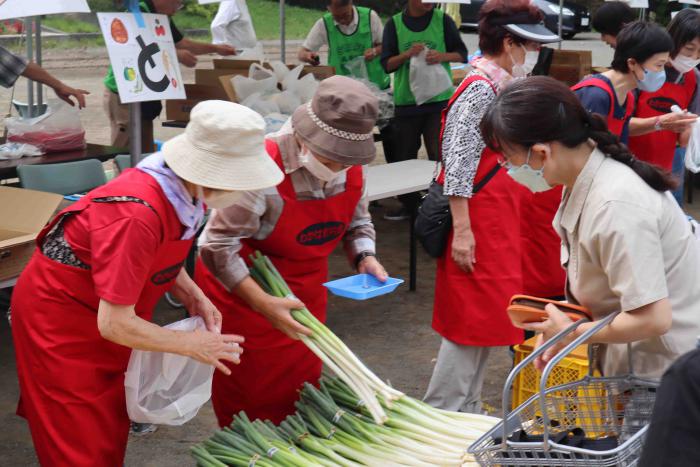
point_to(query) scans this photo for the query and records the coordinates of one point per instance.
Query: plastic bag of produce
(692, 153)
(165, 388)
(287, 102)
(291, 81)
(427, 81)
(306, 88)
(58, 129)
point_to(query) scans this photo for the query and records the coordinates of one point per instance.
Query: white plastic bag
(291, 80)
(280, 69)
(692, 152)
(246, 87)
(263, 104)
(287, 102)
(57, 130)
(306, 88)
(357, 67)
(255, 53)
(12, 151)
(427, 81)
(275, 122)
(165, 388)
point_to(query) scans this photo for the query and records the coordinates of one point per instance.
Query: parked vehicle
(576, 18)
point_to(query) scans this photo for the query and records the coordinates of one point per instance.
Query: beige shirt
(625, 246)
(256, 215)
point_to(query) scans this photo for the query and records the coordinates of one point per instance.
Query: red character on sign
(160, 29)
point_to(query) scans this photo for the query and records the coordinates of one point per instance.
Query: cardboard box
(179, 110)
(571, 66)
(228, 88)
(232, 64)
(210, 77)
(23, 213)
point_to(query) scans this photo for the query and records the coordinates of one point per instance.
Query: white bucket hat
(223, 147)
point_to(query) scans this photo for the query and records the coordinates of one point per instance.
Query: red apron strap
(286, 188)
(600, 84)
(354, 178)
(629, 108)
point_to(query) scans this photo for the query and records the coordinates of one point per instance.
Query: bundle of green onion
(331, 428)
(353, 420)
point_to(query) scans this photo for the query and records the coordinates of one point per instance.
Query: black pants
(674, 434)
(407, 132)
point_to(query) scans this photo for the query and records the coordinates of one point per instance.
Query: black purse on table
(434, 219)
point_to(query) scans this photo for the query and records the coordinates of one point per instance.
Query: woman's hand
(677, 122)
(464, 249)
(433, 57)
(556, 322)
(370, 265)
(202, 306)
(213, 348)
(278, 312)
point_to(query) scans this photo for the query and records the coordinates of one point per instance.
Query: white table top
(399, 178)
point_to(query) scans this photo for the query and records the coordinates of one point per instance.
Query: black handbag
(434, 220)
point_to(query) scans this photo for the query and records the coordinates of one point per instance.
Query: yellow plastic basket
(583, 410)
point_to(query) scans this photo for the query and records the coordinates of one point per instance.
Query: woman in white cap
(87, 296)
(320, 202)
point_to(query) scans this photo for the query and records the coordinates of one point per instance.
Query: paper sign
(22, 8)
(144, 60)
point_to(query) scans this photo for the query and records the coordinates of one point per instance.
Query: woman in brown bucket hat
(321, 201)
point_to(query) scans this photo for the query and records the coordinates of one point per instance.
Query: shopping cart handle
(526, 361)
(558, 358)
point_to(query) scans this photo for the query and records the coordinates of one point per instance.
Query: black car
(576, 18)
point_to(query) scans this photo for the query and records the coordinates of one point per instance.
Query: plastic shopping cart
(596, 421)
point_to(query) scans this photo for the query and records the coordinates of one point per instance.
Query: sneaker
(400, 214)
(140, 429)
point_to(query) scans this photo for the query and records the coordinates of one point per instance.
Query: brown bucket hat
(337, 124)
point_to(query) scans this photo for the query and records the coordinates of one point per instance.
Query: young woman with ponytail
(627, 246)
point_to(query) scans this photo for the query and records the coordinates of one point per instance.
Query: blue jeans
(679, 171)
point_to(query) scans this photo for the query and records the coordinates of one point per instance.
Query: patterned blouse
(462, 143)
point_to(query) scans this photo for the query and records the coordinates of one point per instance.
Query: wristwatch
(657, 124)
(361, 256)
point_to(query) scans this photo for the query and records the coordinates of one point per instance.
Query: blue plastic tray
(362, 286)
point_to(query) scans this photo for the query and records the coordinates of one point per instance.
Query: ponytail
(610, 145)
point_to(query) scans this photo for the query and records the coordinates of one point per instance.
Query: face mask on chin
(529, 177)
(219, 199)
(317, 169)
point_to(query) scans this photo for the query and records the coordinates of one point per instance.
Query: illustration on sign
(143, 58)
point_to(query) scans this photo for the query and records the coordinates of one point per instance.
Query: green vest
(434, 38)
(110, 81)
(342, 48)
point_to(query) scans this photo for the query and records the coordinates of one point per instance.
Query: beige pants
(458, 377)
(118, 114)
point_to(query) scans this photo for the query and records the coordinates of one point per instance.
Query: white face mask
(317, 169)
(524, 69)
(219, 199)
(684, 64)
(529, 177)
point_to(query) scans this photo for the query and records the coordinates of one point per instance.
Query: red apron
(615, 125)
(273, 366)
(470, 308)
(71, 379)
(659, 147)
(543, 275)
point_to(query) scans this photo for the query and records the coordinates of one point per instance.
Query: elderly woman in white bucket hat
(320, 203)
(86, 297)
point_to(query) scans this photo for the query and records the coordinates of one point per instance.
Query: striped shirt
(11, 67)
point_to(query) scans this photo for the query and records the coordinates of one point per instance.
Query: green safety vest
(110, 81)
(432, 37)
(342, 47)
